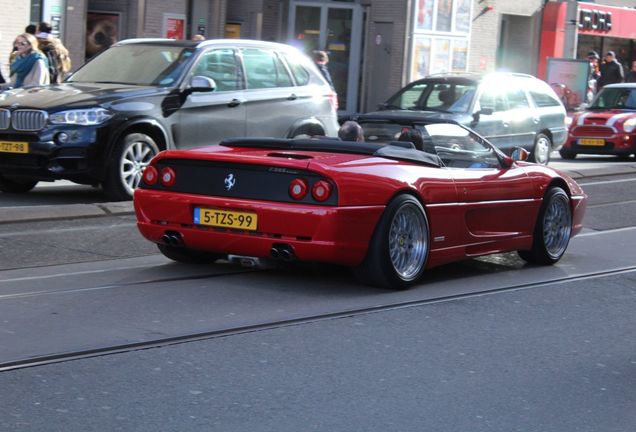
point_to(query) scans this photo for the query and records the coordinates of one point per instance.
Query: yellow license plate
(592, 141)
(14, 147)
(226, 219)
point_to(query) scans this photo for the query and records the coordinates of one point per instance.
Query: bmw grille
(28, 120)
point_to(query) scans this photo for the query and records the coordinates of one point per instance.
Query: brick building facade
(390, 41)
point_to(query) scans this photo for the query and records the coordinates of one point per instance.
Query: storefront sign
(592, 19)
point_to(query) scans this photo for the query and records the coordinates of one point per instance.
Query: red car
(607, 126)
(388, 210)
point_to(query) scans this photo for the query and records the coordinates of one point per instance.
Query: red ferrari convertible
(389, 210)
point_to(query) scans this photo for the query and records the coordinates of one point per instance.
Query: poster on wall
(569, 79)
(424, 15)
(421, 58)
(174, 26)
(102, 30)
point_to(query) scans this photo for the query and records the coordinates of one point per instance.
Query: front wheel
(131, 156)
(553, 229)
(399, 247)
(15, 185)
(542, 149)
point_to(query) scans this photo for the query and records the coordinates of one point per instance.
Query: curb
(71, 211)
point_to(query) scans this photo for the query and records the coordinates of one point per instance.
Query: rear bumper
(618, 144)
(338, 235)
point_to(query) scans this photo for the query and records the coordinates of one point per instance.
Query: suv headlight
(86, 117)
(629, 125)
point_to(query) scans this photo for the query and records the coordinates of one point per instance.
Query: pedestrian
(29, 68)
(322, 59)
(593, 59)
(55, 52)
(351, 131)
(631, 75)
(611, 71)
(31, 29)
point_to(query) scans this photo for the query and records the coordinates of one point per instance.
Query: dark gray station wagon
(104, 123)
(510, 110)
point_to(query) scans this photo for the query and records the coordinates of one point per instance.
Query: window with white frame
(441, 33)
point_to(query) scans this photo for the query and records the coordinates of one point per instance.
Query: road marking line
(607, 182)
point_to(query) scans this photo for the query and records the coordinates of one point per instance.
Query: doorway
(336, 29)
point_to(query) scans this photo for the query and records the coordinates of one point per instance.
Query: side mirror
(200, 83)
(484, 111)
(518, 154)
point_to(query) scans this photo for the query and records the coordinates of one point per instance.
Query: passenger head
(321, 57)
(351, 131)
(412, 135)
(44, 27)
(198, 37)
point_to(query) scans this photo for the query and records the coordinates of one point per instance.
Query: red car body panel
(471, 212)
(589, 126)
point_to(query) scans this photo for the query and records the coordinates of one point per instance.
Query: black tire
(399, 248)
(15, 185)
(131, 155)
(553, 229)
(188, 256)
(541, 150)
(567, 154)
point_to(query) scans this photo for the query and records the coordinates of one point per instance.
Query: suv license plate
(592, 142)
(14, 147)
(226, 219)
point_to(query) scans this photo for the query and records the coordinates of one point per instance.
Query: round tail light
(298, 189)
(168, 177)
(151, 175)
(321, 191)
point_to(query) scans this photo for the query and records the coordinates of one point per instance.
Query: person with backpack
(29, 67)
(55, 52)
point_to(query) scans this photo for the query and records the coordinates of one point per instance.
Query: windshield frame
(185, 55)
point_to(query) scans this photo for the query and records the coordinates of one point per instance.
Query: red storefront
(597, 28)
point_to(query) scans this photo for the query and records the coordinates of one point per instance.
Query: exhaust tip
(275, 253)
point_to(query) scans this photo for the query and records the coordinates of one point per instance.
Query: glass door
(336, 29)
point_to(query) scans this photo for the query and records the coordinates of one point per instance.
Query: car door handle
(536, 120)
(234, 103)
(506, 124)
(292, 96)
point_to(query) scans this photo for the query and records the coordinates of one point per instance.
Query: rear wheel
(399, 248)
(15, 185)
(188, 256)
(567, 154)
(542, 148)
(131, 156)
(553, 229)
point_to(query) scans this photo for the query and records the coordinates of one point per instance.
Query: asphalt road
(485, 345)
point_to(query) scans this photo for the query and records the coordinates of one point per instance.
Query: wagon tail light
(151, 175)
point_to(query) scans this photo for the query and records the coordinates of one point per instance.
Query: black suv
(510, 110)
(104, 123)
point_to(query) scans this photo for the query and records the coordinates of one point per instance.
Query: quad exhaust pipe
(283, 252)
(172, 238)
